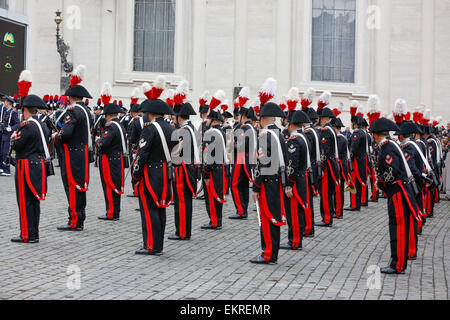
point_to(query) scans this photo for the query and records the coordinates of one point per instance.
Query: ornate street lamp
(62, 47)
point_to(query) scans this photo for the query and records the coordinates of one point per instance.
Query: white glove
(9, 129)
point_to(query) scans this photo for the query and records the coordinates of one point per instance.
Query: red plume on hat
(224, 106)
(354, 106)
(106, 94)
(158, 87)
(293, 99)
(400, 109)
(426, 117)
(25, 82)
(374, 108)
(437, 121)
(244, 96)
(236, 103)
(78, 75)
(135, 96)
(308, 98)
(170, 97)
(268, 91)
(181, 92)
(418, 114)
(283, 103)
(204, 98)
(217, 99)
(324, 100)
(338, 110)
(46, 98)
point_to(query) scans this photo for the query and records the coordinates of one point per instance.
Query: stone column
(427, 61)
(284, 46)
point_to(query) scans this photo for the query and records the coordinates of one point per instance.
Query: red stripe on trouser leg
(363, 194)
(374, 186)
(325, 203)
(135, 191)
(265, 229)
(338, 201)
(22, 203)
(234, 187)
(86, 166)
(164, 193)
(72, 207)
(308, 218)
(353, 196)
(148, 222)
(412, 239)
(181, 203)
(315, 192)
(105, 169)
(212, 206)
(400, 232)
(43, 179)
(295, 224)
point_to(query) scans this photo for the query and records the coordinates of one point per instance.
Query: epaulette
(384, 143)
(147, 124)
(24, 123)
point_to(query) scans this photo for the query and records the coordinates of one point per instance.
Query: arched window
(154, 36)
(333, 40)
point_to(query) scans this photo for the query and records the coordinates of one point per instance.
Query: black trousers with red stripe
(339, 200)
(399, 221)
(295, 216)
(112, 199)
(153, 221)
(327, 191)
(30, 212)
(311, 213)
(78, 197)
(182, 197)
(213, 206)
(375, 192)
(413, 239)
(240, 191)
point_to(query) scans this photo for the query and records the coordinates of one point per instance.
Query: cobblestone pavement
(213, 265)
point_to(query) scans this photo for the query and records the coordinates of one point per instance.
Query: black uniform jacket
(30, 157)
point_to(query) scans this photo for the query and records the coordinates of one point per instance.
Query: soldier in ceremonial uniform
(365, 128)
(358, 153)
(329, 166)
(312, 135)
(30, 145)
(215, 169)
(344, 167)
(435, 159)
(133, 135)
(9, 123)
(153, 173)
(417, 166)
(75, 138)
(270, 180)
(186, 173)
(393, 179)
(298, 180)
(245, 145)
(111, 146)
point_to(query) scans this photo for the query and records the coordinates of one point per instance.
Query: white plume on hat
(245, 92)
(146, 87)
(293, 94)
(325, 97)
(136, 93)
(373, 104)
(160, 82)
(25, 75)
(439, 119)
(420, 108)
(309, 94)
(400, 107)
(206, 96)
(427, 114)
(106, 89)
(80, 71)
(269, 87)
(183, 88)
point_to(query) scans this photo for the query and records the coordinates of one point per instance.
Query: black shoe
(350, 209)
(323, 224)
(373, 201)
(390, 270)
(201, 198)
(260, 260)
(20, 240)
(287, 246)
(131, 196)
(105, 218)
(210, 227)
(339, 218)
(334, 216)
(68, 228)
(145, 252)
(413, 258)
(138, 210)
(311, 235)
(238, 217)
(178, 238)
